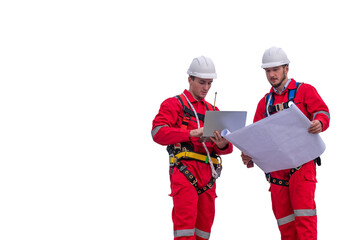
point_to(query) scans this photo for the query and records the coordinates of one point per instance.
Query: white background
(81, 82)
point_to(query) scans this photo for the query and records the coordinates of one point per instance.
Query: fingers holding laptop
(196, 132)
(220, 142)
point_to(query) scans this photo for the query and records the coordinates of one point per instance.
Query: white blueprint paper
(278, 142)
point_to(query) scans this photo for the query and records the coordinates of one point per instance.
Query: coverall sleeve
(224, 151)
(165, 128)
(316, 106)
(260, 110)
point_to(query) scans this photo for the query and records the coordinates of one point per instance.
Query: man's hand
(315, 127)
(196, 132)
(220, 142)
(246, 159)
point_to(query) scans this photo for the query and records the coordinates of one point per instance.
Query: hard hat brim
(203, 75)
(274, 64)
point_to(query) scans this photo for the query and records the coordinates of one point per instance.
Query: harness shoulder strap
(292, 92)
(182, 100)
(186, 109)
(270, 108)
(268, 97)
(209, 106)
(188, 113)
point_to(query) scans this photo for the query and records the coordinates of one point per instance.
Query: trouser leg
(302, 192)
(184, 212)
(283, 211)
(205, 214)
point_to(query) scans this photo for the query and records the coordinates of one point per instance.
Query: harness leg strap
(183, 169)
(281, 182)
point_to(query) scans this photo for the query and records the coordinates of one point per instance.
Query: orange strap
(187, 117)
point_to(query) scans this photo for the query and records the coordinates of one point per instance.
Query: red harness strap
(188, 113)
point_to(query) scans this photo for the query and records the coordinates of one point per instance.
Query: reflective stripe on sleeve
(202, 234)
(323, 112)
(286, 219)
(156, 129)
(184, 233)
(305, 212)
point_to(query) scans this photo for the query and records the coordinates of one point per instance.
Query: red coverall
(192, 214)
(294, 206)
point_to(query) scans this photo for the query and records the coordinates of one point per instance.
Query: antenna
(215, 100)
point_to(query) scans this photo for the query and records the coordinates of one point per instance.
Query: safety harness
(269, 101)
(271, 109)
(285, 183)
(188, 113)
(184, 151)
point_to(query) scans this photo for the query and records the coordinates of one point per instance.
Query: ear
(287, 69)
(189, 79)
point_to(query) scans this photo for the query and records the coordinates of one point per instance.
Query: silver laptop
(219, 120)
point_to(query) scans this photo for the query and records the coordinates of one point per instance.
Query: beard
(279, 84)
(282, 80)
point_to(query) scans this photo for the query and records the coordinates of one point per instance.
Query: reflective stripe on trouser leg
(285, 220)
(302, 191)
(305, 212)
(202, 234)
(184, 233)
(306, 224)
(206, 214)
(184, 212)
(193, 214)
(282, 207)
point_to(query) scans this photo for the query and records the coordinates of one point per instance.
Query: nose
(271, 74)
(207, 87)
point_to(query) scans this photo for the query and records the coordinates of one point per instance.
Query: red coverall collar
(191, 98)
(292, 85)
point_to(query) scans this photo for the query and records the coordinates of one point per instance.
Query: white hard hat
(202, 67)
(274, 57)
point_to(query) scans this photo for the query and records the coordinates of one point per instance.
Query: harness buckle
(220, 160)
(174, 160)
(184, 149)
(268, 177)
(177, 146)
(279, 107)
(194, 182)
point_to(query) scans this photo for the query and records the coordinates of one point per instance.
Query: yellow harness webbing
(192, 155)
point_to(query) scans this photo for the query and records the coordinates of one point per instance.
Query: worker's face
(199, 87)
(277, 75)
